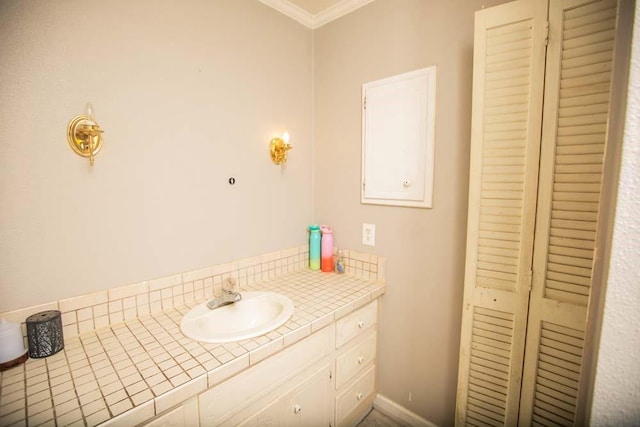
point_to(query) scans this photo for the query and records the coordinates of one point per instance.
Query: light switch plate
(369, 234)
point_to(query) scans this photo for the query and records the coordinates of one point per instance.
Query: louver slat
(590, 108)
(559, 388)
(576, 188)
(549, 418)
(481, 397)
(554, 412)
(560, 400)
(589, 8)
(490, 379)
(566, 260)
(574, 376)
(582, 253)
(590, 39)
(478, 419)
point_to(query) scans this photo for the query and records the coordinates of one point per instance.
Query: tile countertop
(127, 373)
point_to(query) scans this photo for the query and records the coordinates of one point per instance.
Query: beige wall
(189, 94)
(420, 327)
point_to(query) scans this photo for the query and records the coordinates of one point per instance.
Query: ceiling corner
(338, 9)
(292, 11)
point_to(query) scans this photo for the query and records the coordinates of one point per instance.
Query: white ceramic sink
(256, 314)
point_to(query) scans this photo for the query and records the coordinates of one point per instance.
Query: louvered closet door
(507, 107)
(576, 104)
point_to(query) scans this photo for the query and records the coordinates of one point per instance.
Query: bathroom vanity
(325, 379)
(316, 369)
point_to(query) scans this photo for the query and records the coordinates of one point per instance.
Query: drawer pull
(361, 324)
(297, 409)
(360, 360)
(359, 396)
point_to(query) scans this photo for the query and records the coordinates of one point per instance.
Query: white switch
(369, 234)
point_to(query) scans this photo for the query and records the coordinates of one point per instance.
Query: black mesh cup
(44, 333)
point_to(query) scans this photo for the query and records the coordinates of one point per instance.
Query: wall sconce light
(84, 134)
(279, 147)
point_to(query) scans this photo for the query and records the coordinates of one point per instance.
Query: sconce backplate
(83, 134)
(278, 149)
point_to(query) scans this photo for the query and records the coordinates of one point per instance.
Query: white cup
(11, 342)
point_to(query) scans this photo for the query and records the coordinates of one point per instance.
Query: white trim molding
(337, 10)
(292, 11)
(400, 413)
(309, 20)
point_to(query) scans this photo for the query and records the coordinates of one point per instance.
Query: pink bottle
(326, 256)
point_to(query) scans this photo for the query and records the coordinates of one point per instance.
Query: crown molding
(318, 20)
(338, 10)
(292, 11)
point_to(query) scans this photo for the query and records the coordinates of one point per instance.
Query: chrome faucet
(227, 297)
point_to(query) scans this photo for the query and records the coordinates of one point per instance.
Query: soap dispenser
(339, 268)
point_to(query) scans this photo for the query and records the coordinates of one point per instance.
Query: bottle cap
(314, 227)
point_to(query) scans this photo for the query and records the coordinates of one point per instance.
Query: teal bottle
(314, 247)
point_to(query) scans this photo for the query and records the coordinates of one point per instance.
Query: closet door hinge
(529, 279)
(364, 103)
(546, 33)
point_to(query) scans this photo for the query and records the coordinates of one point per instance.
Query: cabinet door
(309, 404)
(240, 397)
(580, 61)
(270, 415)
(509, 50)
(398, 120)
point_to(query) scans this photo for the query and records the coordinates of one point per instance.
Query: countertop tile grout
(135, 369)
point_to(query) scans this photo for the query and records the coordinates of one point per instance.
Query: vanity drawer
(356, 323)
(355, 359)
(355, 400)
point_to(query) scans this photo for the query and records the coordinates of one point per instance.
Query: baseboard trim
(391, 408)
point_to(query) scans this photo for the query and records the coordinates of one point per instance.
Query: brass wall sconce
(279, 147)
(84, 134)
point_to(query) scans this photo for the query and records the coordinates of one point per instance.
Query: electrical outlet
(369, 234)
